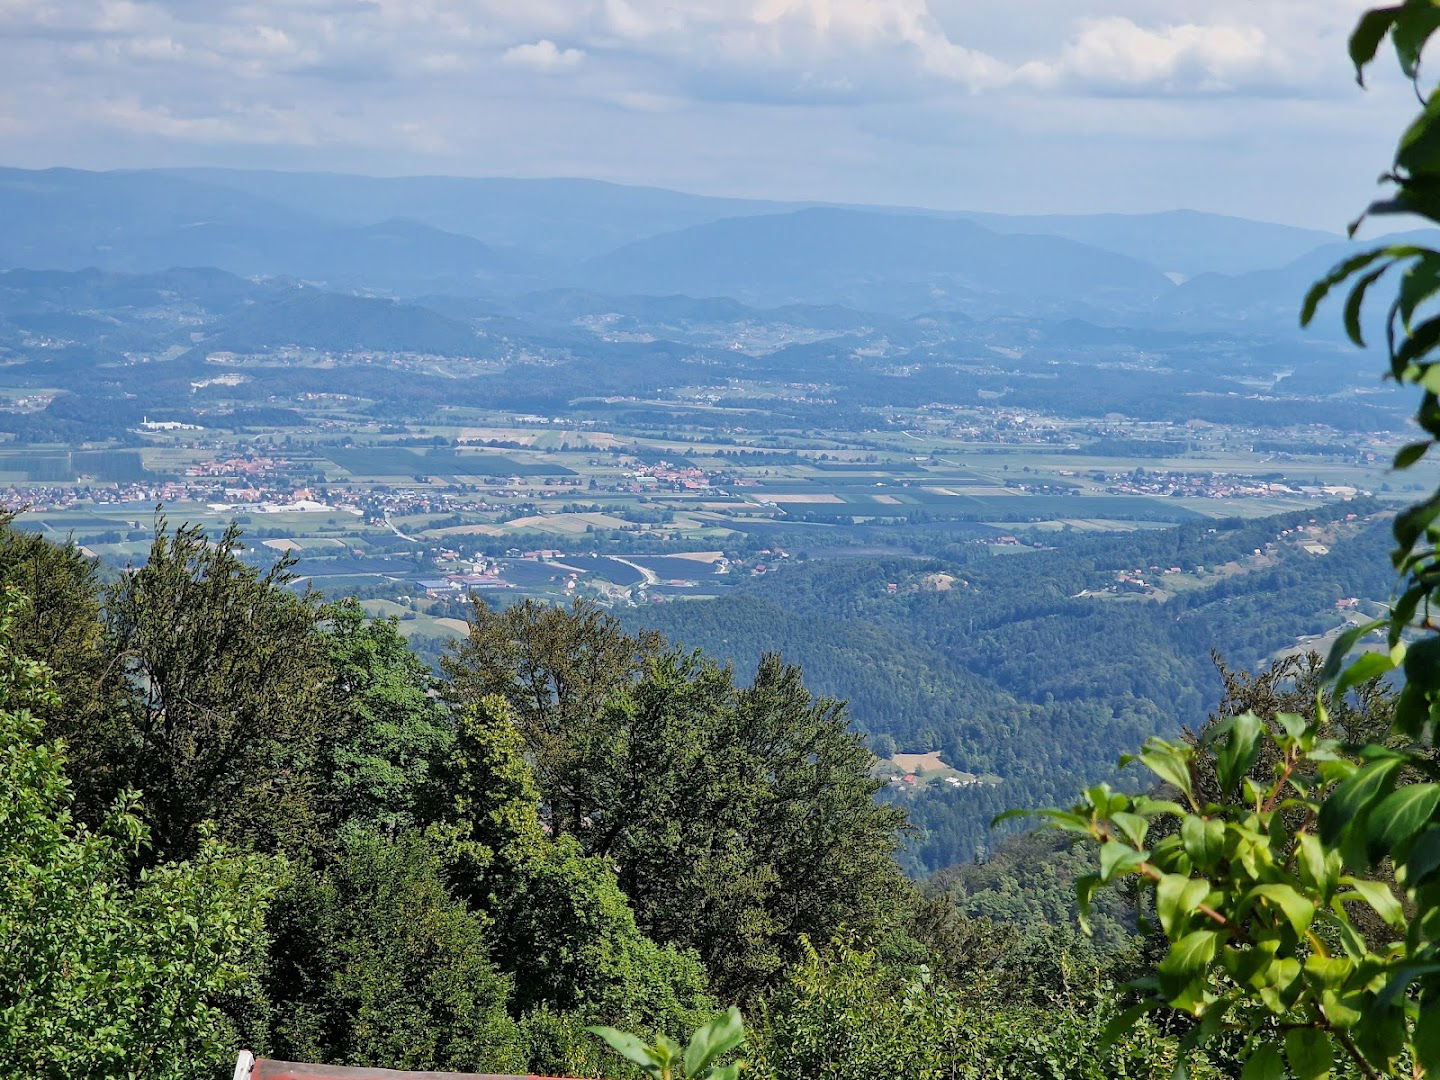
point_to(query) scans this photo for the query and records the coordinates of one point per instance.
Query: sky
(1246, 107)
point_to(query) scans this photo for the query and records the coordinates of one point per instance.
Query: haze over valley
(685, 408)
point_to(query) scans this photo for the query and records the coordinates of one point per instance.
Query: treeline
(238, 815)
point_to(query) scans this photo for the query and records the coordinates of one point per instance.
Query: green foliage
(1253, 896)
(847, 1015)
(663, 1059)
(1262, 884)
(740, 818)
(224, 671)
(388, 734)
(374, 963)
(102, 973)
(562, 925)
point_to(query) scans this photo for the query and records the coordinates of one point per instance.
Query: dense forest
(242, 815)
(1011, 673)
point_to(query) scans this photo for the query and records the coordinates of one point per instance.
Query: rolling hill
(895, 263)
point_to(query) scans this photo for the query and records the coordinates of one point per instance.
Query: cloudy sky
(1237, 106)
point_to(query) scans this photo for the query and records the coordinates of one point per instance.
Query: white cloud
(1115, 52)
(542, 55)
(825, 96)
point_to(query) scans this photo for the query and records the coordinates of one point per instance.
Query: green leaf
(721, 1035)
(1404, 610)
(1427, 1040)
(1117, 858)
(666, 1050)
(1337, 274)
(1366, 37)
(1319, 868)
(1011, 815)
(1410, 453)
(1423, 858)
(1417, 343)
(1419, 150)
(1363, 668)
(1401, 815)
(1414, 24)
(1176, 899)
(1310, 1054)
(1355, 302)
(1293, 724)
(1169, 764)
(1204, 840)
(1356, 796)
(1412, 709)
(1420, 283)
(630, 1048)
(725, 1072)
(1133, 826)
(1191, 955)
(1343, 644)
(1378, 896)
(1265, 1063)
(1235, 758)
(1298, 911)
(1422, 663)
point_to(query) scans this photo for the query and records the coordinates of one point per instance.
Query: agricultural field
(627, 511)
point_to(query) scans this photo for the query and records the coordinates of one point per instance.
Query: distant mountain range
(875, 261)
(500, 239)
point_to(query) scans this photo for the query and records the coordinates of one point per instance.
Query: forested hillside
(1023, 669)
